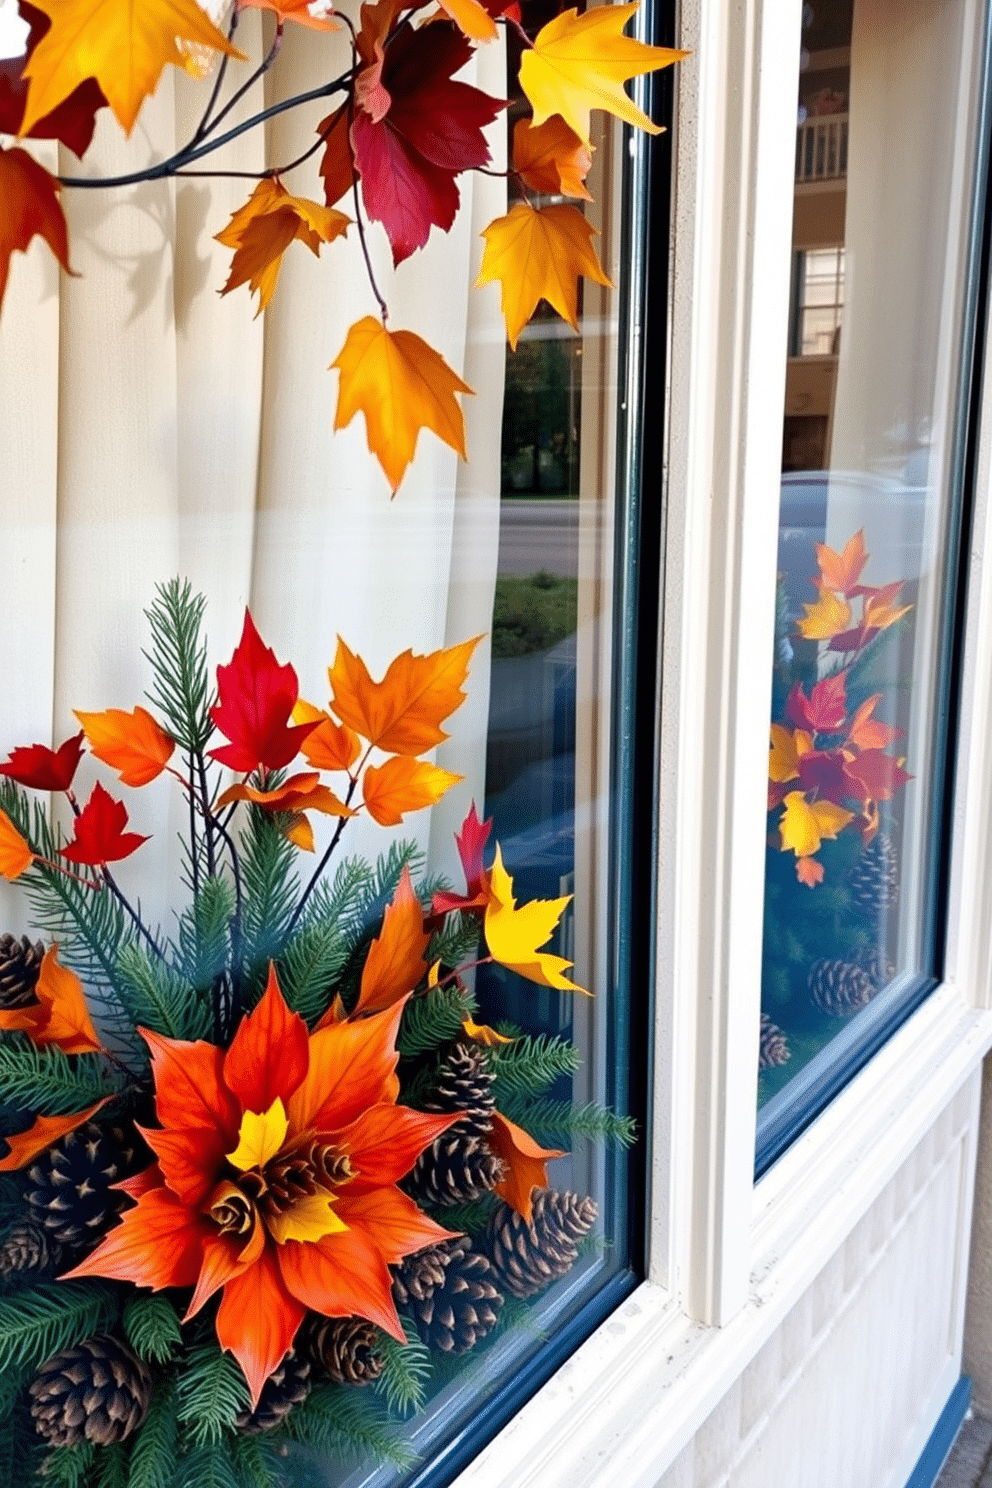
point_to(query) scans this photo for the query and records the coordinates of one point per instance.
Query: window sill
(635, 1393)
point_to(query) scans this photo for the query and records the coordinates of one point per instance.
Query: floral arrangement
(267, 1173)
(834, 771)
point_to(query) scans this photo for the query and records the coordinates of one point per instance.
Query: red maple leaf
(823, 770)
(875, 776)
(74, 119)
(471, 842)
(100, 836)
(824, 710)
(257, 698)
(415, 129)
(45, 769)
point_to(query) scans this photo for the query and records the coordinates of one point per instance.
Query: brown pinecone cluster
(773, 1046)
(344, 1349)
(97, 1391)
(840, 987)
(20, 968)
(287, 1386)
(458, 1166)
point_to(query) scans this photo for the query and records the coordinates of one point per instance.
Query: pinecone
(288, 1385)
(773, 1046)
(29, 1246)
(464, 1083)
(455, 1169)
(70, 1185)
(874, 880)
(20, 967)
(878, 966)
(464, 1307)
(840, 987)
(420, 1274)
(528, 1257)
(343, 1348)
(97, 1391)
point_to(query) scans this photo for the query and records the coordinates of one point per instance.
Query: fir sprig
(433, 1019)
(211, 1390)
(157, 996)
(153, 1458)
(271, 889)
(178, 656)
(48, 1082)
(311, 963)
(559, 1123)
(530, 1065)
(69, 1467)
(151, 1326)
(50, 1317)
(406, 1370)
(340, 1419)
(209, 1466)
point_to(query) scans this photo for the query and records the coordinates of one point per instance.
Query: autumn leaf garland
(393, 152)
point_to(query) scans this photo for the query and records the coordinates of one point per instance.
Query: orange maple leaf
(403, 784)
(841, 571)
(30, 209)
(296, 10)
(538, 254)
(132, 743)
(867, 732)
(809, 871)
(123, 44)
(579, 63)
(60, 1015)
(551, 158)
(395, 962)
(262, 230)
(330, 746)
(15, 854)
(402, 385)
(472, 18)
(403, 713)
(526, 1163)
(299, 793)
(42, 1132)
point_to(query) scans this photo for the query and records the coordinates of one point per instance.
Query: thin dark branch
(318, 871)
(359, 220)
(189, 153)
(194, 849)
(256, 76)
(125, 904)
(234, 1011)
(204, 123)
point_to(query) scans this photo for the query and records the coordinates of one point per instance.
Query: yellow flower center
(290, 1187)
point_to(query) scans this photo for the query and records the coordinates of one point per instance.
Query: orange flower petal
(257, 1320)
(395, 962)
(141, 1183)
(269, 1054)
(189, 1160)
(157, 1244)
(526, 1163)
(392, 1221)
(386, 1141)
(342, 1275)
(189, 1085)
(221, 1263)
(352, 1067)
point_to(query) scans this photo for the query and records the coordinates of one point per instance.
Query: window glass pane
(176, 434)
(867, 526)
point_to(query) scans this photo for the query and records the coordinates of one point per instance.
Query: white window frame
(727, 1258)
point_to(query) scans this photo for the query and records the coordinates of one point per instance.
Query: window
(871, 510)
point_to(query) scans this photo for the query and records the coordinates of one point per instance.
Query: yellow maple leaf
(472, 18)
(402, 385)
(579, 63)
(514, 934)
(825, 619)
(262, 230)
(538, 254)
(123, 44)
(788, 748)
(805, 824)
(260, 1137)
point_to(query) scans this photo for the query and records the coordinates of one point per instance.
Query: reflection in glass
(884, 170)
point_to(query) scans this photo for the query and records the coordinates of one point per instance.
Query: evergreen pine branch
(151, 1326)
(336, 1418)
(153, 1458)
(209, 1466)
(211, 1390)
(531, 1065)
(205, 933)
(458, 940)
(406, 1370)
(49, 1083)
(12, 1382)
(69, 1467)
(558, 1123)
(311, 963)
(469, 1218)
(433, 1019)
(111, 1467)
(341, 900)
(50, 1317)
(257, 1461)
(156, 996)
(20, 1449)
(178, 656)
(271, 889)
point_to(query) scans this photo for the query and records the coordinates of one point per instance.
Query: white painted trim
(628, 1401)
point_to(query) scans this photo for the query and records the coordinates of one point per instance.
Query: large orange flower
(276, 1179)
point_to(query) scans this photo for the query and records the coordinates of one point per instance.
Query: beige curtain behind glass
(150, 428)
